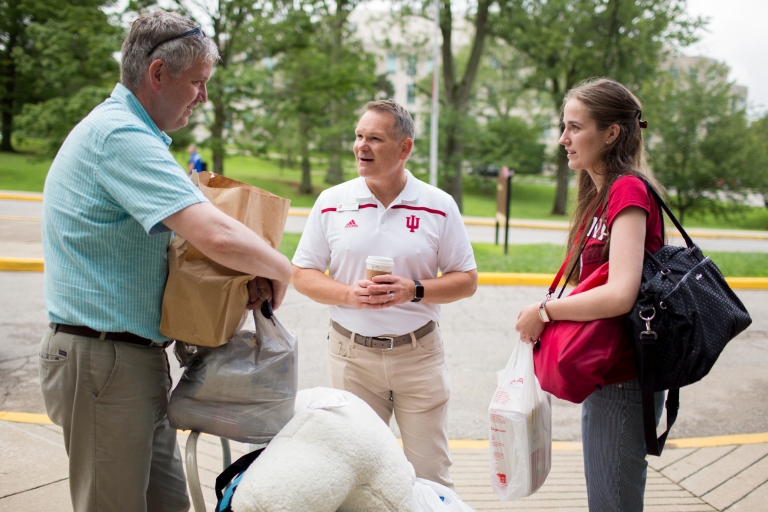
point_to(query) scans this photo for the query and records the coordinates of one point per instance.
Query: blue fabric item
(614, 447)
(196, 159)
(224, 504)
(109, 188)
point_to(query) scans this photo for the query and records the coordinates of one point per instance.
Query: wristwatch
(418, 291)
(543, 311)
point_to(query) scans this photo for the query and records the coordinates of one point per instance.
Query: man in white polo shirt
(384, 344)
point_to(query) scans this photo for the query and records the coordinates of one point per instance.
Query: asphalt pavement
(697, 473)
(479, 335)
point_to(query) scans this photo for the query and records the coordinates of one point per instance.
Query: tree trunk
(561, 191)
(6, 145)
(335, 175)
(217, 130)
(454, 153)
(457, 94)
(306, 176)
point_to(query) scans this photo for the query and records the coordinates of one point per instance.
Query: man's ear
(405, 148)
(157, 74)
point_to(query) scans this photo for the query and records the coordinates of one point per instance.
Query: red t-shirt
(625, 192)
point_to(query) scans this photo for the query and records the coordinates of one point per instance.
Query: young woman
(616, 220)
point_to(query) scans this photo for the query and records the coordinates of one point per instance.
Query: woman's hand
(529, 324)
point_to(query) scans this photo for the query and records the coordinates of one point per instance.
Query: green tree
(238, 28)
(501, 136)
(697, 140)
(52, 50)
(311, 88)
(567, 41)
(458, 79)
(756, 157)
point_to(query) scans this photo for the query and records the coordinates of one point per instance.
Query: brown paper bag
(204, 302)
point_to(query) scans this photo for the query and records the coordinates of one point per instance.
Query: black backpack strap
(233, 470)
(653, 445)
(663, 206)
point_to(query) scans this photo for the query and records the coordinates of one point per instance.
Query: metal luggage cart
(193, 477)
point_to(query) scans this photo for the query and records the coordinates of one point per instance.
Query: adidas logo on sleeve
(351, 224)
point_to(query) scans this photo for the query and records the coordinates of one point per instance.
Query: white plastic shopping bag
(520, 438)
(429, 496)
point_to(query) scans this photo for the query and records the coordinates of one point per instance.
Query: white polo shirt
(422, 231)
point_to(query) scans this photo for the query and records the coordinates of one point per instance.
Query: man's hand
(259, 290)
(382, 292)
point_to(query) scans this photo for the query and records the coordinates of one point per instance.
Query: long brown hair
(607, 103)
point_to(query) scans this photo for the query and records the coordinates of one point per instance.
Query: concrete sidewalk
(710, 478)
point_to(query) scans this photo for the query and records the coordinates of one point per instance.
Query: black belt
(125, 337)
(385, 342)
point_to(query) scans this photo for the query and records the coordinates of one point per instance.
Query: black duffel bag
(684, 316)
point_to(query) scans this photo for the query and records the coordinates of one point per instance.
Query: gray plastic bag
(244, 390)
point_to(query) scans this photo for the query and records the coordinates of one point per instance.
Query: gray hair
(403, 125)
(180, 54)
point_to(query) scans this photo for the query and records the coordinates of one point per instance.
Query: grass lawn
(23, 171)
(26, 171)
(547, 258)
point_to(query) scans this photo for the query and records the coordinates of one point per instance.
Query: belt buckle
(391, 342)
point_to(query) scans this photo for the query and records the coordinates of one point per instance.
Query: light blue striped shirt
(111, 185)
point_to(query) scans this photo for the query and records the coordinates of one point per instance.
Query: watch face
(419, 291)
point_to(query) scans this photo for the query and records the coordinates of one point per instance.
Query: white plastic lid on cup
(380, 263)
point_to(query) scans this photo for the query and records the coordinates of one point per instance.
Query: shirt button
(620, 386)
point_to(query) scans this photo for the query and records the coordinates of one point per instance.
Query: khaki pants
(111, 400)
(414, 375)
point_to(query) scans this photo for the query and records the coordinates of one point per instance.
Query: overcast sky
(738, 35)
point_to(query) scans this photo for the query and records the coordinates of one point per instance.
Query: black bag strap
(234, 469)
(653, 445)
(688, 242)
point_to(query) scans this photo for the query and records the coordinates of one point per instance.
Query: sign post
(503, 201)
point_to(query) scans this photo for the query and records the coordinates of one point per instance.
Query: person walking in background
(195, 164)
(112, 196)
(383, 343)
(616, 221)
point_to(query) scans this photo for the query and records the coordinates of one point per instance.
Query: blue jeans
(614, 447)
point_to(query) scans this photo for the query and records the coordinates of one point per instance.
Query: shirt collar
(409, 193)
(123, 95)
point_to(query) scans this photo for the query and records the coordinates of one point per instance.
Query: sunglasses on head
(193, 32)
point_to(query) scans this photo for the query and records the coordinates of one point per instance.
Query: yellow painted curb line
(21, 197)
(21, 264)
(482, 444)
(25, 417)
(26, 219)
(507, 279)
(707, 442)
(484, 278)
(747, 283)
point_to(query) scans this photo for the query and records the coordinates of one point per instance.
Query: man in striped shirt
(113, 196)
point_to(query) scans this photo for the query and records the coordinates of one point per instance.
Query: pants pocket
(431, 343)
(339, 345)
(50, 354)
(102, 366)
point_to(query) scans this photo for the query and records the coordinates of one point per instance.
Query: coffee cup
(378, 266)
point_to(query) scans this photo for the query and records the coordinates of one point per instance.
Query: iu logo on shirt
(351, 224)
(412, 223)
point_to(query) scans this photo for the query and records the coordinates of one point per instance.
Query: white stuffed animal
(335, 454)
